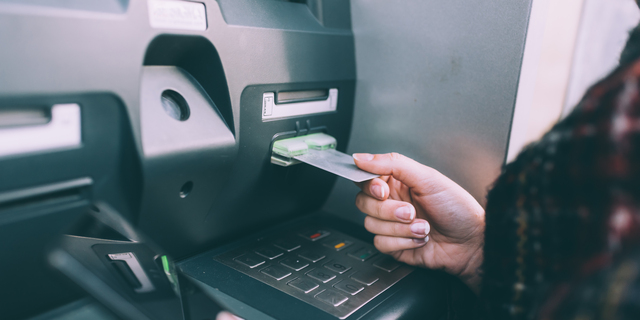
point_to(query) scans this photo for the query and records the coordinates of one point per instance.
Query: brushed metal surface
(436, 81)
(331, 288)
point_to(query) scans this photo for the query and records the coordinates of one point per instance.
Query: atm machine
(160, 117)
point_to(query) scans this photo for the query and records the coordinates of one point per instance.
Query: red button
(315, 235)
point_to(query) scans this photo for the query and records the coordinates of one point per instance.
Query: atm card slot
(301, 96)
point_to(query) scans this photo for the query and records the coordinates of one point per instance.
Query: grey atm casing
(105, 56)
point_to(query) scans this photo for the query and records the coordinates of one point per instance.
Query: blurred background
(570, 45)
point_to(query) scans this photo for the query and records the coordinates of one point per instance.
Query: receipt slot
(293, 104)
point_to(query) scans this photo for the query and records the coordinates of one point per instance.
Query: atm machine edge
(177, 122)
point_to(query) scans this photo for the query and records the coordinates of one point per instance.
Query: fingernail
(405, 213)
(419, 228)
(377, 191)
(421, 241)
(363, 156)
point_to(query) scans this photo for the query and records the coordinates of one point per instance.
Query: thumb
(403, 169)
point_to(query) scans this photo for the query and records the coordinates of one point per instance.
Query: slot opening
(301, 96)
(45, 195)
(29, 116)
(44, 199)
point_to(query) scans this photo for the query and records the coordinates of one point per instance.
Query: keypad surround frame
(343, 310)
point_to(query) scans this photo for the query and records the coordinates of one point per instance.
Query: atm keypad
(348, 286)
(387, 264)
(269, 251)
(294, 263)
(250, 260)
(303, 285)
(367, 277)
(287, 244)
(338, 274)
(322, 275)
(315, 234)
(276, 272)
(331, 297)
(312, 256)
(337, 266)
(364, 253)
(338, 244)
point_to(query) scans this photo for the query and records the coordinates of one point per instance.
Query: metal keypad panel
(323, 267)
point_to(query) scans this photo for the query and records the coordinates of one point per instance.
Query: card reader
(318, 150)
(285, 150)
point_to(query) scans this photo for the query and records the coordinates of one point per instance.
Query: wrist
(470, 275)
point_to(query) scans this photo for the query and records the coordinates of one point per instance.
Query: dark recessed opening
(175, 105)
(198, 57)
(186, 189)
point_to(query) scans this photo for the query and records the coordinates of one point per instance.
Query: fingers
(389, 210)
(404, 169)
(223, 315)
(387, 244)
(417, 229)
(377, 188)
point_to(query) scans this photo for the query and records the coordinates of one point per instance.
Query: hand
(421, 217)
(223, 315)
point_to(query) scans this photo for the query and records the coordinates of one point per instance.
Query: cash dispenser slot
(298, 103)
(33, 130)
(47, 195)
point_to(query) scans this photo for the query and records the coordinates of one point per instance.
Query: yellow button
(339, 245)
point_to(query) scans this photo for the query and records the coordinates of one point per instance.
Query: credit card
(337, 163)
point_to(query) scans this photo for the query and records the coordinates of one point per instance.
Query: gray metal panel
(350, 266)
(57, 49)
(114, 46)
(110, 6)
(163, 136)
(437, 82)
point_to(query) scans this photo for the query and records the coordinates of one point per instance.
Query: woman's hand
(421, 217)
(224, 315)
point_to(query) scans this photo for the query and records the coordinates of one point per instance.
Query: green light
(165, 264)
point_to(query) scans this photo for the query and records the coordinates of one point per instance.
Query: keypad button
(315, 234)
(337, 266)
(331, 297)
(304, 285)
(269, 251)
(250, 260)
(287, 244)
(367, 277)
(387, 264)
(321, 275)
(276, 272)
(348, 286)
(312, 256)
(294, 263)
(363, 254)
(338, 244)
